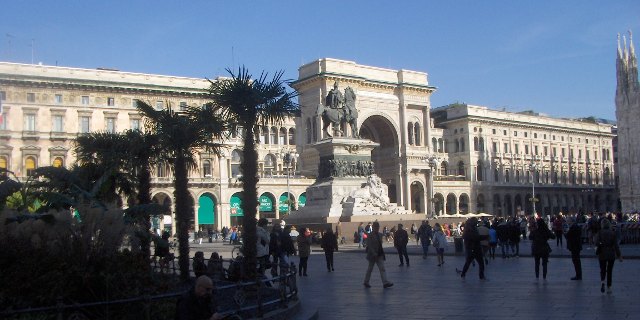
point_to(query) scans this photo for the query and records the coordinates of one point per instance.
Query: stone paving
(425, 291)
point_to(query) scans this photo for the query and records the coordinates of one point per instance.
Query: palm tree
(180, 136)
(249, 102)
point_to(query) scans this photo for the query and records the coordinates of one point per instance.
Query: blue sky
(553, 57)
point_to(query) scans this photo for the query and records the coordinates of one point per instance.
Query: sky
(552, 57)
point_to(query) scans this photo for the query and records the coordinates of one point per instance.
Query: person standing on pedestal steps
(400, 241)
(375, 255)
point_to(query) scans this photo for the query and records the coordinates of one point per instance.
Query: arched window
(3, 165)
(461, 168)
(269, 164)
(416, 131)
(273, 137)
(506, 175)
(434, 143)
(475, 144)
(206, 168)
(479, 170)
(443, 169)
(461, 144)
(236, 158)
(457, 145)
(441, 146)
(410, 133)
(292, 134)
(257, 133)
(496, 175)
(58, 162)
(308, 130)
(282, 136)
(30, 165)
(481, 143)
(161, 170)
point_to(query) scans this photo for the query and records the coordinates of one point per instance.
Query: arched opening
(380, 130)
(236, 159)
(461, 171)
(285, 206)
(479, 171)
(417, 197)
(206, 211)
(236, 213)
(166, 223)
(464, 204)
(269, 165)
(292, 137)
(480, 206)
(452, 204)
(30, 165)
(438, 203)
(282, 136)
(58, 162)
(302, 200)
(265, 205)
(497, 205)
(443, 169)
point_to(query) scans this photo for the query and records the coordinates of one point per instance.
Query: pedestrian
(215, 270)
(574, 244)
(360, 235)
(514, 238)
(540, 246)
(375, 255)
(557, 229)
(329, 244)
(503, 237)
(274, 248)
(287, 249)
(472, 247)
(425, 234)
(493, 241)
(198, 302)
(400, 241)
(439, 243)
(607, 250)
(483, 231)
(262, 245)
(304, 250)
(199, 266)
(414, 231)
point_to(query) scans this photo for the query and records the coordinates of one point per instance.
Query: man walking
(400, 241)
(472, 247)
(375, 255)
(574, 244)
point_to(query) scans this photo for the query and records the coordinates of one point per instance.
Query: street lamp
(288, 157)
(533, 167)
(432, 161)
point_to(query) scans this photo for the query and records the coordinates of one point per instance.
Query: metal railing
(249, 298)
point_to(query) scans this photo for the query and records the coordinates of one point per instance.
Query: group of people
(477, 243)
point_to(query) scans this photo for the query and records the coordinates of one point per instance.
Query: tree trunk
(249, 200)
(184, 212)
(144, 197)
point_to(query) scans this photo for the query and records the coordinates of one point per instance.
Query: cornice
(524, 124)
(362, 81)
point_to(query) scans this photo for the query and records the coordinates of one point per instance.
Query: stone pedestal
(346, 188)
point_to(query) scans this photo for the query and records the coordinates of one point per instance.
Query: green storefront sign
(266, 204)
(282, 206)
(302, 200)
(235, 202)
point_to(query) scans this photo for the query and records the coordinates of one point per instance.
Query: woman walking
(540, 247)
(439, 242)
(375, 255)
(329, 244)
(304, 250)
(607, 250)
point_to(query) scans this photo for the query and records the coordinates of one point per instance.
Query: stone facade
(46, 107)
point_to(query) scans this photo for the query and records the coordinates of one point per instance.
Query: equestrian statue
(339, 109)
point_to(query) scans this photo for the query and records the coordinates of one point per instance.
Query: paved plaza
(425, 291)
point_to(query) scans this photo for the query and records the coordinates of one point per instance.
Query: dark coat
(400, 238)
(190, 307)
(608, 245)
(286, 244)
(329, 242)
(374, 246)
(472, 239)
(539, 245)
(574, 238)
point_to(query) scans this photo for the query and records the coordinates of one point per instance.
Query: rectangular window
(495, 147)
(183, 106)
(159, 105)
(555, 152)
(535, 150)
(31, 97)
(58, 98)
(29, 122)
(58, 124)
(3, 122)
(506, 147)
(85, 123)
(111, 101)
(493, 131)
(546, 151)
(3, 95)
(526, 149)
(85, 100)
(563, 152)
(517, 148)
(111, 125)
(135, 124)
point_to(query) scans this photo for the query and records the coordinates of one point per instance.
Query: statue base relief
(347, 189)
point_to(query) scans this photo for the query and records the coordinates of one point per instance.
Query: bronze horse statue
(346, 113)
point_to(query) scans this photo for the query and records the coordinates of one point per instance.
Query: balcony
(30, 135)
(57, 136)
